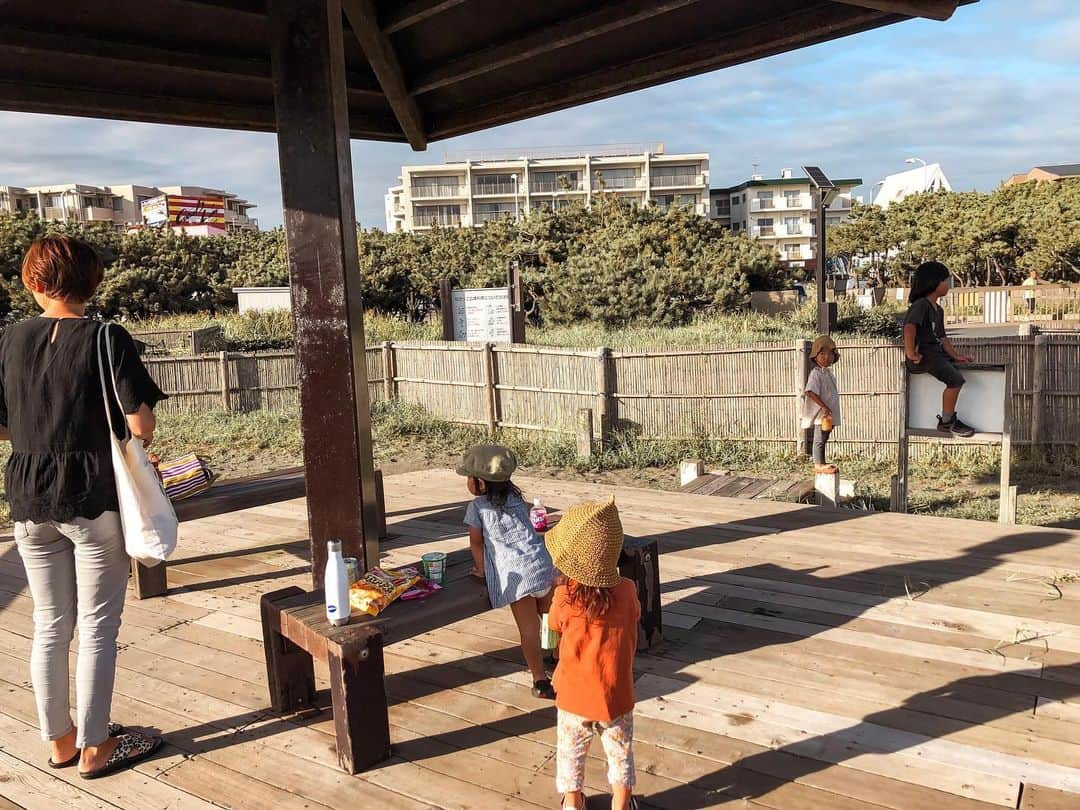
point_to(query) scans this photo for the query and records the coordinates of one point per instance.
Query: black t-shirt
(51, 401)
(929, 321)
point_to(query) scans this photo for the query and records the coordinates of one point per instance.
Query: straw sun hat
(488, 462)
(585, 544)
(824, 344)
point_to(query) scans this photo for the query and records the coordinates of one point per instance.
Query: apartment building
(119, 204)
(474, 188)
(1060, 171)
(781, 211)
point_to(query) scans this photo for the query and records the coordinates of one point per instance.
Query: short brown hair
(62, 267)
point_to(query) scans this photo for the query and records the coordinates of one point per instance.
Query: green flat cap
(489, 462)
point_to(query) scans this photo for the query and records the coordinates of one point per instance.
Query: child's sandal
(543, 689)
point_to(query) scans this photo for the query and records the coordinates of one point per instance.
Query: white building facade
(118, 204)
(781, 211)
(897, 186)
(476, 188)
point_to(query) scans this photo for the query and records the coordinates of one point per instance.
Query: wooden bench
(296, 632)
(229, 496)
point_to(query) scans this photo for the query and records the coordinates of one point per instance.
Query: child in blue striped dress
(507, 551)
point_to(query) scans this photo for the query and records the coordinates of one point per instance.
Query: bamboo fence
(750, 393)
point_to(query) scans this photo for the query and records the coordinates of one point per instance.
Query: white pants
(78, 574)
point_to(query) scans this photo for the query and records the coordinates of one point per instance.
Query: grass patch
(274, 330)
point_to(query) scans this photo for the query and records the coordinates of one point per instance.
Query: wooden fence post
(802, 357)
(604, 395)
(584, 433)
(223, 360)
(446, 307)
(1040, 366)
(490, 404)
(388, 370)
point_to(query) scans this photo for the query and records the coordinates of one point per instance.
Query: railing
(442, 220)
(481, 217)
(482, 189)
(763, 230)
(618, 182)
(676, 180)
(804, 229)
(437, 191)
(554, 186)
(780, 204)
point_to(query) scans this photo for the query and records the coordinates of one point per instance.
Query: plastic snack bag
(421, 590)
(379, 587)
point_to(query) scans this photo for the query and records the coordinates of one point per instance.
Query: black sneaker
(958, 428)
(543, 689)
(945, 426)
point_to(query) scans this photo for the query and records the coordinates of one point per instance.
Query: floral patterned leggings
(575, 736)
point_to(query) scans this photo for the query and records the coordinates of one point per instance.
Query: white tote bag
(146, 513)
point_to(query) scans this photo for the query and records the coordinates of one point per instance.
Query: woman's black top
(51, 402)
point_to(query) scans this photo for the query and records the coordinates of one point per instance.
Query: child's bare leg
(528, 625)
(575, 799)
(948, 400)
(620, 797)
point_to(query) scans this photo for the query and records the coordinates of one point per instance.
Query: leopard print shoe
(131, 748)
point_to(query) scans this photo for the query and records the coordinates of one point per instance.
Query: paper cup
(549, 639)
(434, 563)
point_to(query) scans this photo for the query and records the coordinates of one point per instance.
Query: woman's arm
(142, 423)
(476, 546)
(910, 349)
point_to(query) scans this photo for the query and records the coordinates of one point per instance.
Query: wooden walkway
(813, 661)
(723, 485)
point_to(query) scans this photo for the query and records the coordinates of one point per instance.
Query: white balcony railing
(800, 203)
(442, 220)
(677, 180)
(434, 192)
(555, 186)
(480, 217)
(759, 231)
(496, 189)
(618, 183)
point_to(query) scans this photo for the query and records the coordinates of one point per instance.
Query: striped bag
(186, 476)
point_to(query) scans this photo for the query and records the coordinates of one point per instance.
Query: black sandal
(543, 689)
(132, 748)
(115, 730)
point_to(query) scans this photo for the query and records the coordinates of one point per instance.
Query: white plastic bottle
(538, 516)
(336, 585)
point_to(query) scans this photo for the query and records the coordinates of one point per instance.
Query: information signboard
(482, 315)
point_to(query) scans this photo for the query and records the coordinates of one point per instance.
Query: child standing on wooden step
(597, 613)
(927, 349)
(821, 403)
(507, 552)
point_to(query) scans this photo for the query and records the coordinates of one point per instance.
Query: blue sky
(994, 90)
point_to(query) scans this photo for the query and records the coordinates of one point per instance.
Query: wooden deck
(813, 660)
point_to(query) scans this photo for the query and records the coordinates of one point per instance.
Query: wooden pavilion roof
(417, 71)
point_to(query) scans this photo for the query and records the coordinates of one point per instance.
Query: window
(617, 178)
(723, 208)
(670, 176)
(793, 199)
(118, 204)
(492, 212)
(441, 215)
(764, 227)
(735, 200)
(832, 220)
(765, 222)
(735, 227)
(793, 251)
(794, 225)
(496, 183)
(744, 199)
(552, 182)
(437, 186)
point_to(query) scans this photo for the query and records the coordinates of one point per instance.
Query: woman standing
(59, 482)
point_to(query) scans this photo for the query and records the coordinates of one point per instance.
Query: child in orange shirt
(597, 613)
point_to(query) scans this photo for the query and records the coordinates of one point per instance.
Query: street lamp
(912, 161)
(514, 180)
